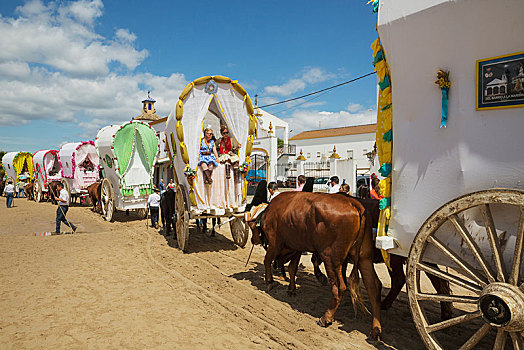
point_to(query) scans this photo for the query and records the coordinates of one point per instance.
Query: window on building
(308, 155)
(318, 154)
(502, 89)
(495, 90)
(149, 106)
(490, 91)
(350, 154)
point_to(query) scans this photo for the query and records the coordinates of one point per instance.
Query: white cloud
(55, 66)
(124, 35)
(309, 76)
(354, 107)
(302, 120)
(61, 37)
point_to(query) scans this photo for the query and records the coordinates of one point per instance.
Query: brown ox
(29, 190)
(332, 226)
(95, 193)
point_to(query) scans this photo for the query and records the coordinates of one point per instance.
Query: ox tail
(354, 277)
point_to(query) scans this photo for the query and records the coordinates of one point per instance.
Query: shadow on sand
(312, 298)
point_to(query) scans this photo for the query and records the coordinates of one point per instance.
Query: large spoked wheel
(239, 231)
(107, 200)
(39, 194)
(182, 218)
(142, 213)
(481, 236)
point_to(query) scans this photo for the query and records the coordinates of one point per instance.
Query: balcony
(288, 150)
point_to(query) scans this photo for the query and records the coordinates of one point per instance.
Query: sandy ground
(120, 285)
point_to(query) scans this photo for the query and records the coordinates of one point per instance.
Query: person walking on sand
(63, 206)
(153, 202)
(9, 191)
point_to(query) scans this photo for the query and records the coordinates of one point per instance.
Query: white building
(344, 151)
(351, 142)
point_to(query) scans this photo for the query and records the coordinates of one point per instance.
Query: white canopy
(72, 156)
(47, 166)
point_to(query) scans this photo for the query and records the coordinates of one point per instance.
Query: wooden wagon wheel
(107, 200)
(240, 231)
(182, 218)
(38, 192)
(141, 212)
(492, 296)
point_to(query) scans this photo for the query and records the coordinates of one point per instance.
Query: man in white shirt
(9, 191)
(153, 202)
(63, 207)
(335, 186)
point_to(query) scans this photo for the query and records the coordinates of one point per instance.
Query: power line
(319, 91)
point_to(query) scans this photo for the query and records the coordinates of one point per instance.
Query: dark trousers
(9, 198)
(60, 217)
(154, 215)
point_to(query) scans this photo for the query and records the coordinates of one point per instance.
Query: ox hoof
(292, 293)
(271, 285)
(323, 323)
(375, 333)
(323, 280)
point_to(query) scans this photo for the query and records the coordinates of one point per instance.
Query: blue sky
(68, 68)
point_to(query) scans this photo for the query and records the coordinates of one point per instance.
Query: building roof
(332, 132)
(149, 99)
(148, 117)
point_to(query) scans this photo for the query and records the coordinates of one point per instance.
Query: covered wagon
(128, 154)
(18, 164)
(449, 140)
(80, 166)
(210, 103)
(47, 170)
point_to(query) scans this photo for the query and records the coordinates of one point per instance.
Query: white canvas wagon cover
(72, 157)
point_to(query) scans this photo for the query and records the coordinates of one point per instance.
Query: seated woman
(228, 153)
(207, 160)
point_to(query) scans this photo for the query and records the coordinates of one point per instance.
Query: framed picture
(500, 81)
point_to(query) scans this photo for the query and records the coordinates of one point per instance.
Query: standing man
(335, 187)
(301, 182)
(63, 207)
(153, 202)
(161, 186)
(9, 191)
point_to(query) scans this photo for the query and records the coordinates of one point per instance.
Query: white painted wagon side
(72, 157)
(128, 180)
(457, 191)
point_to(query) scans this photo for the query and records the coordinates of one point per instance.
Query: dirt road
(120, 285)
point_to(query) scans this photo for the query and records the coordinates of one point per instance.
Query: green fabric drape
(149, 142)
(123, 146)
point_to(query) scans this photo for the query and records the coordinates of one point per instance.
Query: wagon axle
(501, 306)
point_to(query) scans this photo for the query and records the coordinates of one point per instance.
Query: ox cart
(452, 159)
(18, 164)
(217, 102)
(128, 154)
(80, 165)
(47, 170)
